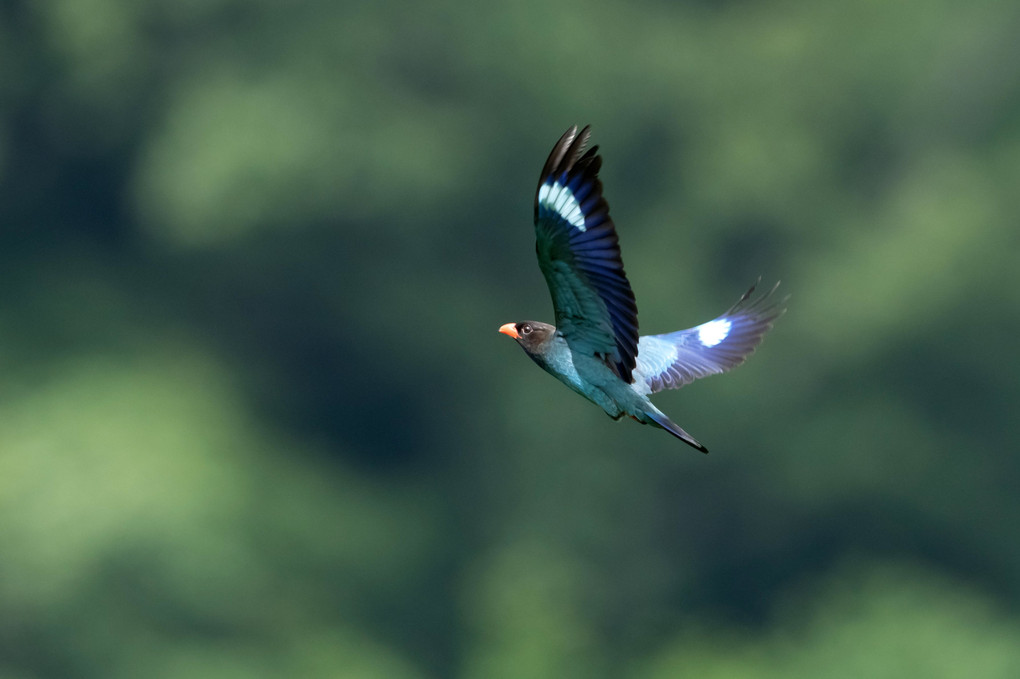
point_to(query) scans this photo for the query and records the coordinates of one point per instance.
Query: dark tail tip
(676, 430)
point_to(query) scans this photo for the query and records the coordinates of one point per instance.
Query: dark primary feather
(672, 360)
(579, 254)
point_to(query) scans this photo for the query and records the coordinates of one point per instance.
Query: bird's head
(531, 335)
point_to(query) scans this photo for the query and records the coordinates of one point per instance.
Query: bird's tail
(659, 418)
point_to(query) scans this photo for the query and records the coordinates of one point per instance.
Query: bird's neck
(552, 353)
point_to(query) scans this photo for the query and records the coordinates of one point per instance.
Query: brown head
(531, 335)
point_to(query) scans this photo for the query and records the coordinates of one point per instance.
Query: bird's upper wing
(579, 254)
(670, 361)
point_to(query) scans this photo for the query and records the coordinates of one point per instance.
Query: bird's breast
(558, 361)
(589, 376)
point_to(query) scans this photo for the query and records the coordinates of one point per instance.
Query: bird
(594, 348)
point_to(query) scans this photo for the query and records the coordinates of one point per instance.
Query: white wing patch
(560, 200)
(713, 332)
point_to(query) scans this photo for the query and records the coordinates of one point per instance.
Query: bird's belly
(589, 377)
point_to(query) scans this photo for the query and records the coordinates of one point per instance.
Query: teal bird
(594, 348)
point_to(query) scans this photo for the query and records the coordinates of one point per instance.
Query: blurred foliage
(255, 419)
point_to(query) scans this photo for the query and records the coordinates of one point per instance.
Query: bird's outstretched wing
(670, 361)
(579, 254)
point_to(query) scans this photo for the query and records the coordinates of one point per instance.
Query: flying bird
(594, 348)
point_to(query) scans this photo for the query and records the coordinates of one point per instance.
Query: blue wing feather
(579, 254)
(675, 359)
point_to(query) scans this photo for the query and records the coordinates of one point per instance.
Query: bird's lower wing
(672, 360)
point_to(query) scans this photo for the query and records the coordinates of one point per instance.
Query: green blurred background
(256, 420)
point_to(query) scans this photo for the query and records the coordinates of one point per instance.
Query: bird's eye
(525, 329)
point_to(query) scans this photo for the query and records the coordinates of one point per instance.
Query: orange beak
(509, 329)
